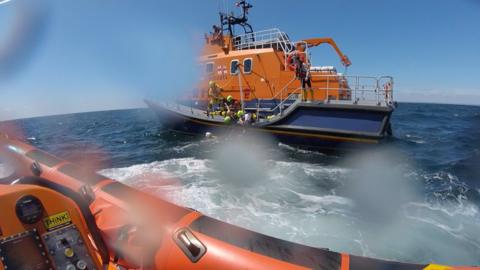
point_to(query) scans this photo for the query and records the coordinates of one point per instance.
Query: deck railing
(263, 39)
(279, 95)
(355, 90)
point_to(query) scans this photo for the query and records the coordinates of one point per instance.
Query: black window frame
(251, 65)
(207, 65)
(237, 70)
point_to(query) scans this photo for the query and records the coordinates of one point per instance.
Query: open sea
(416, 198)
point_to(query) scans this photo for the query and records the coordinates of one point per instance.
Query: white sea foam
(415, 139)
(298, 150)
(182, 149)
(299, 202)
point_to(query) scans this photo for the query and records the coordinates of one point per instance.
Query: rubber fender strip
(308, 257)
(358, 262)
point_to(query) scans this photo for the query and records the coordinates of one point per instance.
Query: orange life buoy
(291, 65)
(295, 65)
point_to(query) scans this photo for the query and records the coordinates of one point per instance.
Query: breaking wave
(304, 203)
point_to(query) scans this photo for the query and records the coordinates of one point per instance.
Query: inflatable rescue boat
(56, 215)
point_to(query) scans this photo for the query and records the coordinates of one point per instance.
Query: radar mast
(229, 21)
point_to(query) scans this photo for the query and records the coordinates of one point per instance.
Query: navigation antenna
(228, 21)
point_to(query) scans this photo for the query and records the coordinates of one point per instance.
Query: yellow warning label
(57, 220)
(437, 267)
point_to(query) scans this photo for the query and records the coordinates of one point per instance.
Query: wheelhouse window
(209, 68)
(234, 67)
(247, 66)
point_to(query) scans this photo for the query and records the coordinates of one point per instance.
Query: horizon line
(146, 107)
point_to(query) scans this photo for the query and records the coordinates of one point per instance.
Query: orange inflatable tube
(141, 230)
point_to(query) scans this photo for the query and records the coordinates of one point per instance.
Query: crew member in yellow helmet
(227, 120)
(245, 118)
(214, 96)
(240, 114)
(231, 106)
(240, 117)
(229, 101)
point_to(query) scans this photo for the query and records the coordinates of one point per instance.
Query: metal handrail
(262, 35)
(284, 88)
(262, 39)
(280, 105)
(382, 86)
(279, 93)
(373, 92)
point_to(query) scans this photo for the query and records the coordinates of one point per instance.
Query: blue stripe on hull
(325, 117)
(299, 140)
(305, 142)
(344, 120)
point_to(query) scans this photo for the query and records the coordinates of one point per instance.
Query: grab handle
(189, 244)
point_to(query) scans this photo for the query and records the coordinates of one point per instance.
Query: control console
(67, 249)
(41, 229)
(24, 251)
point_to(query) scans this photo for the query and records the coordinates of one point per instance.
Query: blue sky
(71, 56)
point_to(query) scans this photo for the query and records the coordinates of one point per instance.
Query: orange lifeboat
(274, 78)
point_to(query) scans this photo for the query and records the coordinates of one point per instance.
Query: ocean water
(416, 198)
